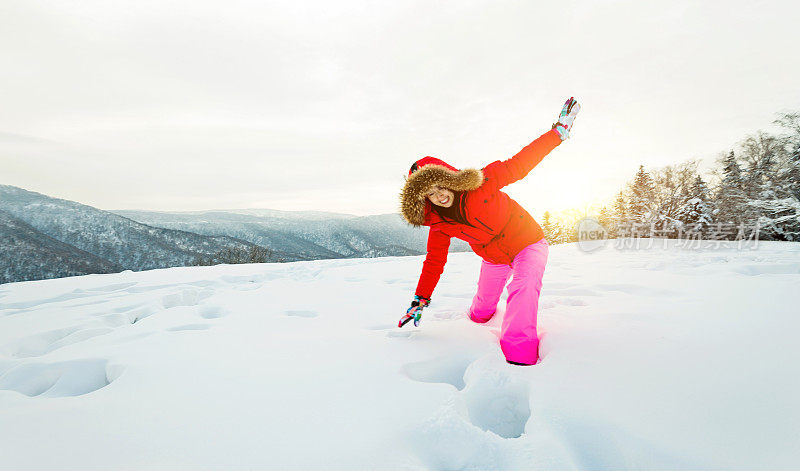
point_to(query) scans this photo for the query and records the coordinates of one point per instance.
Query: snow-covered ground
(652, 359)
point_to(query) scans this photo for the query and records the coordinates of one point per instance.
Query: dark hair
(455, 213)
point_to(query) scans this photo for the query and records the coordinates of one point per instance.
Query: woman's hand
(415, 311)
(566, 118)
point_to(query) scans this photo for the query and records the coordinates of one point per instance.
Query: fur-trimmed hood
(424, 174)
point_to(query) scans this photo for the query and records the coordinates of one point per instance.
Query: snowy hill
(656, 359)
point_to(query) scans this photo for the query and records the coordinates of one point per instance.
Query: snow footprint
(490, 399)
(407, 333)
(136, 315)
(546, 304)
(65, 379)
(46, 342)
(496, 401)
(115, 320)
(448, 369)
(187, 297)
(212, 312)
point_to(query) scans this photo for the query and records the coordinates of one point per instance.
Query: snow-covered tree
(760, 183)
(620, 210)
(779, 218)
(641, 207)
(760, 153)
(790, 179)
(607, 219)
(553, 231)
(729, 196)
(776, 207)
(699, 188)
(789, 174)
(697, 213)
(674, 186)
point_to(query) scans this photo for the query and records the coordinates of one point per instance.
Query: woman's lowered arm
(432, 267)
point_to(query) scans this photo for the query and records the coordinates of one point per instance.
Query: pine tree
(606, 219)
(765, 207)
(698, 211)
(666, 192)
(641, 206)
(673, 188)
(789, 178)
(777, 205)
(562, 233)
(699, 189)
(620, 215)
(550, 228)
(760, 154)
(730, 196)
(620, 208)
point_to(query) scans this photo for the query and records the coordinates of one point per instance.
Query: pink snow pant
(518, 337)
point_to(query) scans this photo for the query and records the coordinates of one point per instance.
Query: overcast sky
(189, 105)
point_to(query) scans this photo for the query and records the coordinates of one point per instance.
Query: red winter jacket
(502, 228)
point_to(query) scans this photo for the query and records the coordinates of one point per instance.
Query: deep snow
(664, 358)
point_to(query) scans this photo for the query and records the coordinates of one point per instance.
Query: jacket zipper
(473, 238)
(484, 225)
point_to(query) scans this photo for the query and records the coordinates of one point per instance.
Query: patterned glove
(415, 311)
(566, 118)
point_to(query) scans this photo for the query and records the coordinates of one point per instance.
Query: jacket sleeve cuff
(554, 138)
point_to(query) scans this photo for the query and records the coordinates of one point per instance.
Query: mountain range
(43, 237)
(301, 236)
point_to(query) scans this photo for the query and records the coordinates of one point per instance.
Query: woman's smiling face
(440, 196)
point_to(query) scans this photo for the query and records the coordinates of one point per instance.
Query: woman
(468, 204)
